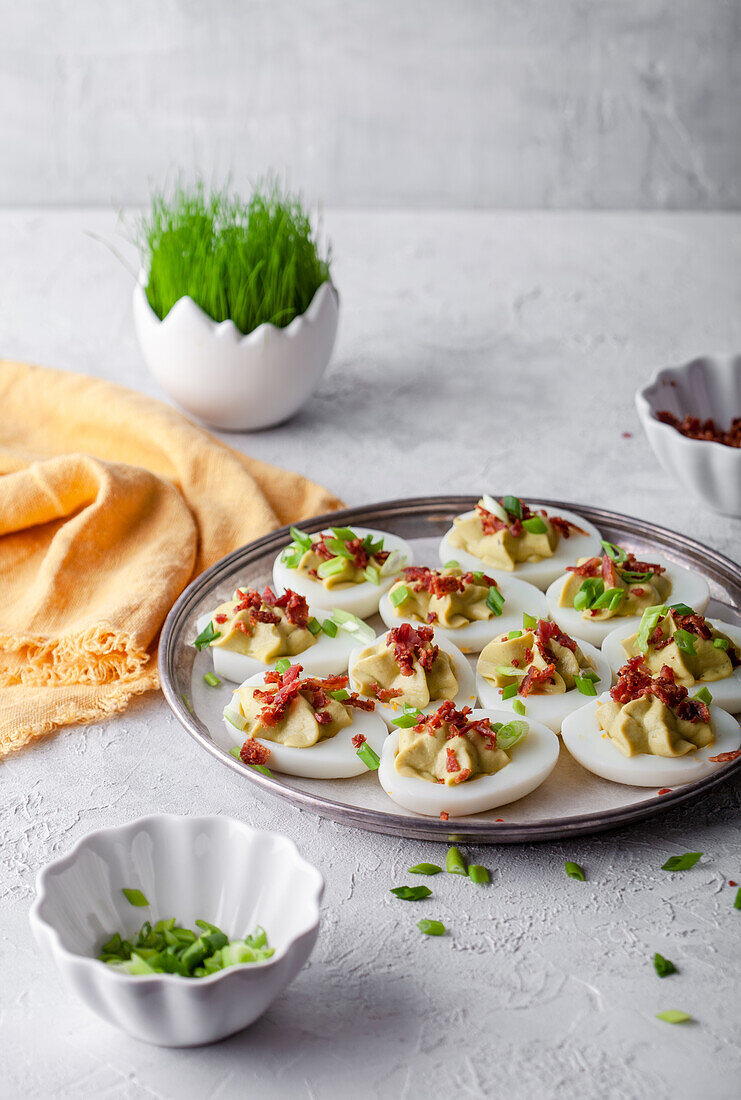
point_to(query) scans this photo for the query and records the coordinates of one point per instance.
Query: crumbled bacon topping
(356, 547)
(252, 752)
(708, 430)
(444, 815)
(410, 644)
(385, 695)
(288, 685)
(611, 571)
(635, 681)
(220, 618)
(451, 761)
(547, 631)
(725, 758)
(490, 523)
(458, 724)
(358, 740)
(437, 583)
(259, 607)
(534, 678)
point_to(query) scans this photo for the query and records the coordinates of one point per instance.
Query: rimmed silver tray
(572, 802)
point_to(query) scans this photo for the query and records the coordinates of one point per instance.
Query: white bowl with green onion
(235, 880)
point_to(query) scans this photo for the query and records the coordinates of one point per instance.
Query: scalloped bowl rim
(180, 980)
(646, 409)
(242, 339)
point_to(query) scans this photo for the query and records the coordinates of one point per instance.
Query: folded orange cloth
(110, 503)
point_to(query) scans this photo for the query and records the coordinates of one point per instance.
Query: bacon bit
(725, 757)
(635, 681)
(498, 819)
(221, 618)
(490, 523)
(534, 677)
(609, 572)
(241, 625)
(638, 591)
(732, 883)
(444, 815)
(695, 428)
(547, 632)
(354, 700)
(385, 695)
(565, 526)
(515, 662)
(265, 617)
(431, 617)
(323, 717)
(252, 752)
(451, 761)
(358, 740)
(588, 568)
(516, 529)
(463, 775)
(627, 435)
(694, 624)
(665, 790)
(409, 644)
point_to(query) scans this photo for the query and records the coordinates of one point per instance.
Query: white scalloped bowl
(233, 381)
(708, 387)
(215, 868)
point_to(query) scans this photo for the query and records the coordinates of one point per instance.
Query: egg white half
(687, 587)
(551, 710)
(466, 696)
(518, 598)
(726, 693)
(532, 761)
(327, 657)
(539, 573)
(334, 758)
(359, 599)
(596, 752)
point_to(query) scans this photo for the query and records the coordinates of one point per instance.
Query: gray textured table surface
(539, 327)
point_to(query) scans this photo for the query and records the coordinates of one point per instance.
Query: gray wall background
(473, 103)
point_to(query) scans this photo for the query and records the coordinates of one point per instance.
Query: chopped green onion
(455, 863)
(573, 870)
(703, 695)
(610, 598)
(737, 902)
(509, 734)
(452, 564)
(634, 578)
(649, 622)
(492, 505)
(507, 670)
(681, 863)
(212, 679)
(314, 626)
(207, 635)
(514, 634)
(263, 769)
(673, 1016)
(478, 874)
(345, 534)
(663, 966)
(406, 721)
(134, 897)
(301, 538)
(339, 548)
(495, 600)
(431, 927)
(425, 869)
(340, 695)
(235, 751)
(519, 707)
(529, 621)
(591, 675)
(721, 643)
(370, 758)
(291, 558)
(372, 574)
(590, 590)
(282, 666)
(353, 625)
(235, 717)
(512, 505)
(509, 691)
(585, 685)
(535, 525)
(399, 594)
(615, 552)
(681, 608)
(685, 641)
(329, 628)
(411, 893)
(330, 568)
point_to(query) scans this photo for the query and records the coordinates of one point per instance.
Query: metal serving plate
(571, 802)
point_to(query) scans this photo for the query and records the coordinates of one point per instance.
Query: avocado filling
(654, 714)
(262, 626)
(447, 597)
(541, 661)
(447, 747)
(687, 643)
(406, 666)
(503, 533)
(614, 585)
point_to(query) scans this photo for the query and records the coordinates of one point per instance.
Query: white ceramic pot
(708, 387)
(233, 381)
(214, 868)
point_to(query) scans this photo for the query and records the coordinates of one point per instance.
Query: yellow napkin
(110, 503)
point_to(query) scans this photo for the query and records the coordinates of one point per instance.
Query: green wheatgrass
(252, 261)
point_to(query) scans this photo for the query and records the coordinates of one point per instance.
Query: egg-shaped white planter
(233, 381)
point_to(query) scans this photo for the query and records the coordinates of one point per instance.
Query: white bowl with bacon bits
(303, 725)
(509, 537)
(469, 608)
(597, 594)
(342, 567)
(456, 762)
(411, 669)
(249, 633)
(541, 672)
(649, 732)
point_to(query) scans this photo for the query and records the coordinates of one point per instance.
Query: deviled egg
(698, 650)
(304, 726)
(468, 607)
(411, 668)
(598, 593)
(541, 672)
(462, 761)
(250, 632)
(649, 732)
(344, 567)
(509, 537)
